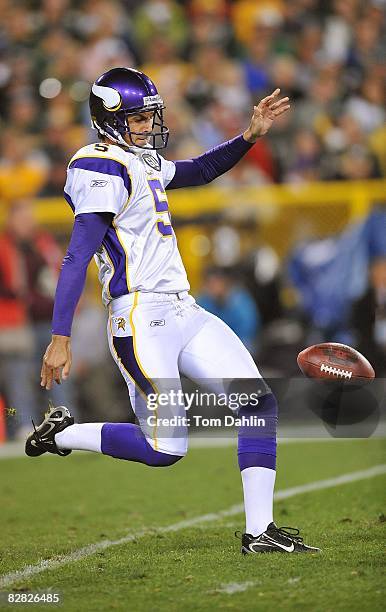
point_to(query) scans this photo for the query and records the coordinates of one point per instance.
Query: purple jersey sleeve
(87, 236)
(208, 166)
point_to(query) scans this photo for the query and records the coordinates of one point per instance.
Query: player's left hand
(264, 115)
(57, 361)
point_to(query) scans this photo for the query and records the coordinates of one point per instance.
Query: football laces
(338, 372)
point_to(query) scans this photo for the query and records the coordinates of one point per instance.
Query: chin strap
(116, 138)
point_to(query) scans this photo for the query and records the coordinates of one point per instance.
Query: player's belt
(146, 296)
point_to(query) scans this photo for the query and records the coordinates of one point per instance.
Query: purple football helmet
(120, 92)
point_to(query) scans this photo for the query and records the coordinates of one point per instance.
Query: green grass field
(52, 507)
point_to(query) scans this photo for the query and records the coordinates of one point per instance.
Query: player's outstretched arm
(207, 167)
(87, 236)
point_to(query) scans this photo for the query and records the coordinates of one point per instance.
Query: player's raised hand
(56, 361)
(264, 115)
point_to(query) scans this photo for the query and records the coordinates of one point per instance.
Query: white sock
(258, 485)
(85, 436)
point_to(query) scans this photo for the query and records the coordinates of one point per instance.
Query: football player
(156, 331)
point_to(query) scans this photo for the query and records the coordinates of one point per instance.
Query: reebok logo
(157, 323)
(98, 183)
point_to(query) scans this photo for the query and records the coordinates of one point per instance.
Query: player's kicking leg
(215, 352)
(59, 435)
(143, 443)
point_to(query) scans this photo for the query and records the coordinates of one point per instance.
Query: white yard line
(239, 587)
(235, 587)
(30, 570)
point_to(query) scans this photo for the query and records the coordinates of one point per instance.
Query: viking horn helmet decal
(111, 97)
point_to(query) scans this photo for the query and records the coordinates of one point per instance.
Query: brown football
(334, 361)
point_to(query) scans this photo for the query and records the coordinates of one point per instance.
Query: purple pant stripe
(126, 441)
(125, 351)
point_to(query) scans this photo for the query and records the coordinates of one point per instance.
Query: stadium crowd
(211, 60)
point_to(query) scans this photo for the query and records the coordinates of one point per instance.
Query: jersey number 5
(161, 206)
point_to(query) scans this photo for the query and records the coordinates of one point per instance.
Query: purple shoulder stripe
(103, 165)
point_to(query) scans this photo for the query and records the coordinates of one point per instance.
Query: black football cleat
(42, 439)
(275, 539)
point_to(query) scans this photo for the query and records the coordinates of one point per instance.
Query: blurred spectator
(369, 318)
(260, 270)
(28, 275)
(225, 298)
(308, 55)
(367, 47)
(56, 176)
(368, 108)
(22, 169)
(377, 147)
(249, 15)
(305, 164)
(330, 274)
(320, 105)
(338, 30)
(357, 164)
(161, 19)
(24, 114)
(256, 64)
(209, 22)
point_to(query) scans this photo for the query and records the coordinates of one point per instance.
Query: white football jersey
(139, 251)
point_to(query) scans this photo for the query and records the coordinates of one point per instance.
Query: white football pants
(155, 337)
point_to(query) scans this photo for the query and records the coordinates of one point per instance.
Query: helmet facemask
(116, 127)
